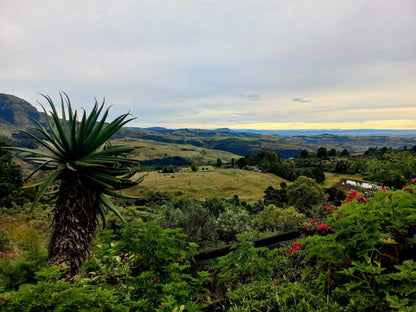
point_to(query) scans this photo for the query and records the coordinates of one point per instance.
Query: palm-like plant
(87, 169)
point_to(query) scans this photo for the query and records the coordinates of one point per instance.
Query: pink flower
(323, 227)
(383, 189)
(347, 200)
(340, 217)
(73, 278)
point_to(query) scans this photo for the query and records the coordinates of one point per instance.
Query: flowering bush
(372, 243)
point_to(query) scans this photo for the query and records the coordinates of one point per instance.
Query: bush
(274, 219)
(366, 262)
(305, 193)
(148, 266)
(6, 244)
(197, 222)
(50, 294)
(234, 220)
(22, 270)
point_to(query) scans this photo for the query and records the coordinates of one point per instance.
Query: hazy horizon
(271, 65)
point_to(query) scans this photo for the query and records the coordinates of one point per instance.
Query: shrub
(274, 219)
(6, 244)
(22, 270)
(234, 220)
(366, 262)
(197, 222)
(305, 193)
(148, 266)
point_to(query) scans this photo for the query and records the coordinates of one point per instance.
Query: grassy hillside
(149, 149)
(245, 143)
(221, 183)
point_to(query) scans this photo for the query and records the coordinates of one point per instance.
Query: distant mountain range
(307, 132)
(287, 143)
(348, 132)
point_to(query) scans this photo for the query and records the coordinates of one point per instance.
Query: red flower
(347, 200)
(353, 194)
(383, 189)
(2, 299)
(340, 217)
(323, 227)
(289, 250)
(312, 222)
(297, 246)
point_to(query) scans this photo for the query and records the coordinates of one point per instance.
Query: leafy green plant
(305, 194)
(196, 221)
(14, 273)
(52, 294)
(150, 267)
(232, 221)
(371, 243)
(6, 244)
(274, 219)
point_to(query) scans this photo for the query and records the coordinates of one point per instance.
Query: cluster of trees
(323, 153)
(387, 167)
(271, 162)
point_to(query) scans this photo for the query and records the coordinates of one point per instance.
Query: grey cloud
(164, 59)
(301, 100)
(251, 96)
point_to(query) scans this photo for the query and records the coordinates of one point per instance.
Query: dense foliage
(11, 179)
(359, 257)
(356, 252)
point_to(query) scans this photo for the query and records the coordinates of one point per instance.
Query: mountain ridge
(287, 143)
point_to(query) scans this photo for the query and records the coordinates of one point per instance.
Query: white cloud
(234, 61)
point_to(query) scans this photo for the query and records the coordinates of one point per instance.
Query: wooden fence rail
(259, 242)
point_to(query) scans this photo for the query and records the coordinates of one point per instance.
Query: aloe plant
(77, 154)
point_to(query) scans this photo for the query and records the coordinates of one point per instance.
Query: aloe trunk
(74, 224)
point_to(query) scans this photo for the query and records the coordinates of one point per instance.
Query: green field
(221, 183)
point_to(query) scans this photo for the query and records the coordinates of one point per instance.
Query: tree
(219, 163)
(304, 154)
(11, 178)
(242, 162)
(79, 157)
(332, 152)
(322, 152)
(345, 153)
(305, 194)
(194, 166)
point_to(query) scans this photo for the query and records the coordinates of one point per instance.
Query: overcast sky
(239, 64)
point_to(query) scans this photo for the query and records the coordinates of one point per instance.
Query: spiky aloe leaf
(50, 179)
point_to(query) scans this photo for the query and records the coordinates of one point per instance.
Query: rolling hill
(193, 144)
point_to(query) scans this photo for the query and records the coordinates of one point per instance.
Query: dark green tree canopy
(11, 178)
